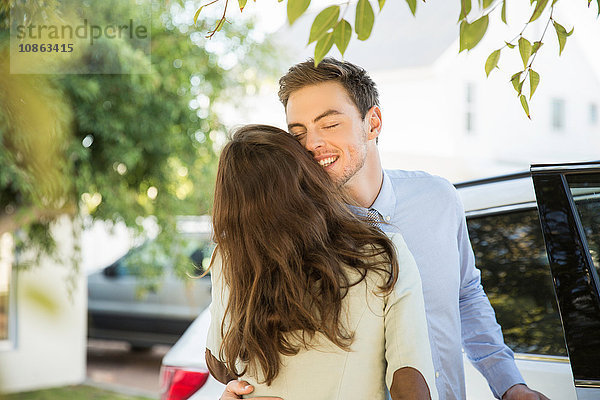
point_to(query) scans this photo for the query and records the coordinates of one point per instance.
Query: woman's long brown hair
(287, 236)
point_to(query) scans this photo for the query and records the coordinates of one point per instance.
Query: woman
(309, 300)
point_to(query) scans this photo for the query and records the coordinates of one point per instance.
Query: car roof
(497, 192)
(194, 225)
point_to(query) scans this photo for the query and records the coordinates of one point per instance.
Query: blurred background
(106, 179)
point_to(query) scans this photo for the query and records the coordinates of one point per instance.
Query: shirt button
(388, 218)
(437, 374)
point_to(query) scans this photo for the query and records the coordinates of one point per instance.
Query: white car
(539, 269)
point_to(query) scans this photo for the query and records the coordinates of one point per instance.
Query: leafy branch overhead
(331, 28)
(527, 50)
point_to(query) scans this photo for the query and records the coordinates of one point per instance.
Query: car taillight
(179, 383)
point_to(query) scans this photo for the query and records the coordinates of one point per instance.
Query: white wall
(424, 109)
(50, 344)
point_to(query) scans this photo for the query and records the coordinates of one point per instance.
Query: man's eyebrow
(326, 114)
(319, 117)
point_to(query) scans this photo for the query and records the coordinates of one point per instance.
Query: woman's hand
(235, 389)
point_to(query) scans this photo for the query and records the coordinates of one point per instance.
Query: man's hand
(235, 389)
(522, 392)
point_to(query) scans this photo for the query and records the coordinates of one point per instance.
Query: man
(333, 110)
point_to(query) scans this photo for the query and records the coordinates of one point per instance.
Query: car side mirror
(111, 271)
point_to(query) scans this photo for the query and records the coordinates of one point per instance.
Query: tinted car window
(510, 252)
(586, 196)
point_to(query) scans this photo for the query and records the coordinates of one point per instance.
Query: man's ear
(374, 118)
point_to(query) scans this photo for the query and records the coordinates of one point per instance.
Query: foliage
(122, 147)
(330, 28)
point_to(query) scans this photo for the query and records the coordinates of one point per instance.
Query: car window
(135, 262)
(200, 252)
(586, 195)
(194, 252)
(509, 250)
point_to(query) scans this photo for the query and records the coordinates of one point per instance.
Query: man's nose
(314, 140)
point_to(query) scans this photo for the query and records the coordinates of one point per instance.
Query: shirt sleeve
(406, 335)
(217, 306)
(481, 334)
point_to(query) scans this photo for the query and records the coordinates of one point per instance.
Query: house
(440, 112)
(42, 317)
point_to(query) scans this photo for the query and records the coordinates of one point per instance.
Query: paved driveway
(111, 364)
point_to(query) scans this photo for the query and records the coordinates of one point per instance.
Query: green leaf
(341, 35)
(562, 34)
(525, 50)
(539, 8)
(465, 9)
(516, 81)
(534, 80)
(412, 4)
(323, 22)
(487, 3)
(503, 15)
(242, 4)
(471, 34)
(220, 24)
(510, 45)
(381, 3)
(197, 13)
(492, 62)
(536, 47)
(525, 105)
(323, 46)
(599, 7)
(295, 8)
(365, 18)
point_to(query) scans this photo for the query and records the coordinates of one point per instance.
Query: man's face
(328, 124)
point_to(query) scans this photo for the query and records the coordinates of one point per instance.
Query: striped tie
(374, 217)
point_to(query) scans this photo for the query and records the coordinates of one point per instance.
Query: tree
(330, 27)
(126, 146)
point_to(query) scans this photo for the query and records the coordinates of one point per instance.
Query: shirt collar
(385, 202)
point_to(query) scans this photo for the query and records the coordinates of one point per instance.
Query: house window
(558, 114)
(593, 114)
(469, 108)
(6, 306)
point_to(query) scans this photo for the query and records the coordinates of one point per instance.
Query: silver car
(536, 238)
(123, 305)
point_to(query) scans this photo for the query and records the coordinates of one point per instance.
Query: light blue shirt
(427, 211)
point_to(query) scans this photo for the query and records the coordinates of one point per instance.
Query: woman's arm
(218, 369)
(219, 295)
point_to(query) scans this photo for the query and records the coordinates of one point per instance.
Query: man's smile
(327, 161)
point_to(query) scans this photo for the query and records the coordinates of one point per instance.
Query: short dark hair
(360, 87)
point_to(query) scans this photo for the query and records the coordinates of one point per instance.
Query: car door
(568, 198)
(509, 249)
